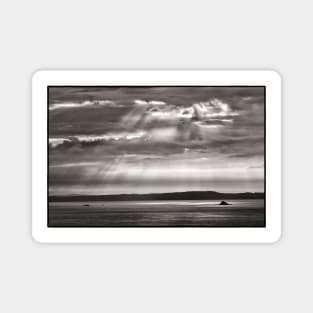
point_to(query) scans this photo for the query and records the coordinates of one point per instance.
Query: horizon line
(153, 193)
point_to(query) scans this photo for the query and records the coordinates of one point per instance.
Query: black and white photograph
(156, 156)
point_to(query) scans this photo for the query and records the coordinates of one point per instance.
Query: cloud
(111, 136)
(87, 103)
(163, 134)
(171, 112)
(140, 102)
(213, 109)
(213, 113)
(256, 166)
(154, 102)
(151, 102)
(119, 136)
(80, 164)
(54, 142)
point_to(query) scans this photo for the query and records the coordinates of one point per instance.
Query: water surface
(155, 213)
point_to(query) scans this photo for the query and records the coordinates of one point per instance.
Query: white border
(269, 234)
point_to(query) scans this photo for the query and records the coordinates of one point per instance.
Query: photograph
(156, 156)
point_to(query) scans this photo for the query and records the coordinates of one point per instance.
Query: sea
(168, 213)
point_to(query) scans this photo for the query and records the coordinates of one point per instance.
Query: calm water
(181, 213)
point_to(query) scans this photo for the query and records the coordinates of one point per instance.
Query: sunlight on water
(157, 213)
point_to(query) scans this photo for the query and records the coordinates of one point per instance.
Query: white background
(270, 233)
(155, 35)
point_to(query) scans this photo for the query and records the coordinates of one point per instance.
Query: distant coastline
(188, 195)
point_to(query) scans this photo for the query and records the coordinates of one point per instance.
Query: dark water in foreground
(182, 213)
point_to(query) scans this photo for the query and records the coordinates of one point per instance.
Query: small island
(224, 203)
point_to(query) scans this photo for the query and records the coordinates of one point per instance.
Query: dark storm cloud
(176, 95)
(97, 131)
(83, 120)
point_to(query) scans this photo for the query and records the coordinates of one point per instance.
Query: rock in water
(224, 203)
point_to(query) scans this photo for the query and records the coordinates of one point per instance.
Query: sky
(114, 140)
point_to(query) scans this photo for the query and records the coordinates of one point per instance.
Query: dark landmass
(188, 195)
(224, 203)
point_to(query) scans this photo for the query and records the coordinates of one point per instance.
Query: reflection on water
(243, 213)
(157, 213)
